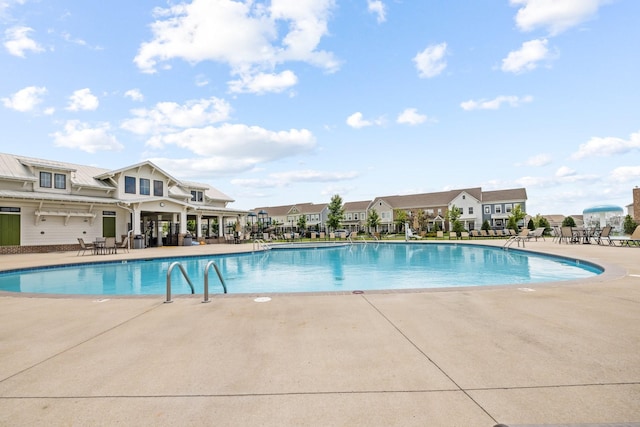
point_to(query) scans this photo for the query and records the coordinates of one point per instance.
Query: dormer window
(197, 196)
(49, 180)
(130, 184)
(45, 179)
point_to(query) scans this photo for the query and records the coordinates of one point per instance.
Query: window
(60, 181)
(508, 208)
(355, 216)
(130, 184)
(145, 186)
(196, 196)
(487, 209)
(158, 188)
(439, 211)
(497, 209)
(348, 217)
(430, 212)
(45, 179)
(471, 210)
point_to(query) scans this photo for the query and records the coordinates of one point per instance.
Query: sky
(293, 101)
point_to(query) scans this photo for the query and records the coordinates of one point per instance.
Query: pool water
(340, 268)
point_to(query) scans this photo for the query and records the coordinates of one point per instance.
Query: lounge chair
(475, 234)
(410, 235)
(634, 239)
(492, 233)
(465, 235)
(484, 234)
(566, 234)
(439, 234)
(84, 247)
(453, 235)
(520, 237)
(537, 233)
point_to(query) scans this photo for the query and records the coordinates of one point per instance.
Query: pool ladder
(260, 244)
(186, 276)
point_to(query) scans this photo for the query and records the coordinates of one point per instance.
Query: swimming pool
(358, 267)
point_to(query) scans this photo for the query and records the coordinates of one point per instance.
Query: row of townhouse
(425, 211)
(47, 205)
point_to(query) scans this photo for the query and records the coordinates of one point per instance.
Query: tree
(302, 223)
(568, 222)
(336, 212)
(517, 215)
(629, 225)
(531, 225)
(485, 225)
(400, 217)
(543, 222)
(373, 220)
(453, 216)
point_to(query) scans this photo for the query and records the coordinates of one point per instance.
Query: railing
(206, 279)
(184, 273)
(260, 244)
(362, 237)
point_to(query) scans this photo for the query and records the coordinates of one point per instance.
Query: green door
(9, 230)
(109, 226)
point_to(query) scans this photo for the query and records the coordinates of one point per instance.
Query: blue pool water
(340, 268)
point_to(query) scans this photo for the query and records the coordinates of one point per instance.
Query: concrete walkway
(547, 354)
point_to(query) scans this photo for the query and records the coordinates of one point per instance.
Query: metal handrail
(206, 279)
(184, 273)
(260, 244)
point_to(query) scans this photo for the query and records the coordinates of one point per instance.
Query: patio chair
(439, 235)
(453, 235)
(464, 235)
(411, 235)
(566, 234)
(537, 233)
(110, 245)
(475, 234)
(123, 245)
(605, 234)
(85, 246)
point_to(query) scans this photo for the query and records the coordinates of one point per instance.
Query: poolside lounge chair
(453, 235)
(439, 235)
(634, 239)
(464, 235)
(566, 234)
(85, 246)
(492, 233)
(520, 237)
(537, 233)
(410, 235)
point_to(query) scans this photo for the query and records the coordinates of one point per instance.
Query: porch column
(198, 225)
(159, 231)
(136, 222)
(183, 222)
(220, 226)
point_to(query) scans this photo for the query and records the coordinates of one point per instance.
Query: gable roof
(423, 200)
(504, 195)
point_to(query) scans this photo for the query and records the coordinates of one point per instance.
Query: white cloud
(527, 57)
(377, 7)
(83, 100)
(170, 116)
(608, 146)
(17, 41)
(232, 147)
(411, 116)
(134, 95)
(496, 103)
(430, 62)
(356, 121)
(565, 171)
(26, 99)
(556, 16)
(538, 160)
(626, 174)
(251, 37)
(81, 136)
(261, 83)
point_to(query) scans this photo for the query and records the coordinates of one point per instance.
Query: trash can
(138, 242)
(188, 240)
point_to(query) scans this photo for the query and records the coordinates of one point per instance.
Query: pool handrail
(184, 273)
(206, 280)
(261, 244)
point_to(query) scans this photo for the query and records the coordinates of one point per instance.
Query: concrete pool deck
(564, 353)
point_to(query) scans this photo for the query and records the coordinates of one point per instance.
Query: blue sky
(291, 101)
